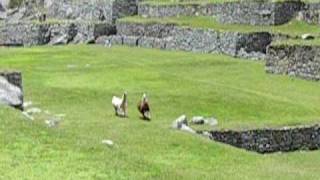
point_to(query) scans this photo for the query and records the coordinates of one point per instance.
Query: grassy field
(293, 28)
(79, 81)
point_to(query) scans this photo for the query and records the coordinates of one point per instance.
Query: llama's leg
(116, 111)
(125, 111)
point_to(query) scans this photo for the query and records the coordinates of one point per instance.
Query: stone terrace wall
(255, 13)
(310, 13)
(23, 34)
(171, 37)
(94, 10)
(259, 13)
(151, 10)
(271, 140)
(300, 61)
(28, 34)
(14, 78)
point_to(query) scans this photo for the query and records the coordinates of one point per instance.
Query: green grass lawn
(237, 92)
(293, 28)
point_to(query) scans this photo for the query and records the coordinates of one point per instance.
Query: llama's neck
(124, 98)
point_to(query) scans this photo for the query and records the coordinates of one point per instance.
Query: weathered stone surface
(259, 13)
(294, 60)
(11, 91)
(142, 29)
(153, 10)
(25, 34)
(198, 120)
(310, 13)
(114, 40)
(171, 37)
(151, 42)
(244, 12)
(310, 16)
(96, 10)
(19, 34)
(179, 122)
(130, 40)
(271, 140)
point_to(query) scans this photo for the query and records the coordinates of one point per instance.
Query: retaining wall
(294, 60)
(259, 13)
(96, 10)
(254, 13)
(152, 10)
(271, 140)
(172, 37)
(27, 34)
(310, 13)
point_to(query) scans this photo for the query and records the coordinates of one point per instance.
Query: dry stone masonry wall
(254, 13)
(172, 37)
(258, 13)
(271, 140)
(171, 10)
(26, 34)
(92, 10)
(295, 60)
(310, 13)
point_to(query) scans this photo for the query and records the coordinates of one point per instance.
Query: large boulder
(10, 94)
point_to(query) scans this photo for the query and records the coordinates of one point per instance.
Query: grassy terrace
(237, 92)
(294, 28)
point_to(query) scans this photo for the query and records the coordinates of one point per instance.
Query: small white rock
(187, 129)
(28, 115)
(107, 142)
(307, 37)
(211, 121)
(206, 134)
(27, 104)
(177, 124)
(52, 122)
(198, 120)
(33, 110)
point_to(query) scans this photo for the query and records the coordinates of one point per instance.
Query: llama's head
(144, 97)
